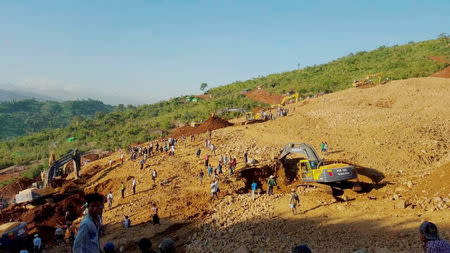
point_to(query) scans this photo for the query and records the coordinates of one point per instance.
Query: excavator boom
(302, 148)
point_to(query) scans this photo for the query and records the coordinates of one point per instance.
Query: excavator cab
(314, 169)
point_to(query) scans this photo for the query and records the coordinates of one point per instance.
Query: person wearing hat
(167, 246)
(272, 183)
(431, 242)
(87, 239)
(37, 244)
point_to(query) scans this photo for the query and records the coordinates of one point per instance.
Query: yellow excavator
(368, 80)
(294, 97)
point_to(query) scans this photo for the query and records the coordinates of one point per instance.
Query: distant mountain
(19, 117)
(14, 95)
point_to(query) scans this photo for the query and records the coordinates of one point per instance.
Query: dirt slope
(400, 129)
(260, 95)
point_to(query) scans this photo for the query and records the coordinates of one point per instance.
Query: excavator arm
(300, 148)
(73, 155)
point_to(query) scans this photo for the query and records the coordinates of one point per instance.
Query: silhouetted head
(94, 204)
(145, 245)
(109, 247)
(428, 231)
(301, 249)
(167, 246)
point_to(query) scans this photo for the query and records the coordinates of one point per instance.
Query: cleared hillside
(400, 129)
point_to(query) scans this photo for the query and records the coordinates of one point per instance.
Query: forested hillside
(134, 124)
(28, 116)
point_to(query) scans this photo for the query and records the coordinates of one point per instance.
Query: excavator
(316, 170)
(55, 167)
(294, 97)
(368, 80)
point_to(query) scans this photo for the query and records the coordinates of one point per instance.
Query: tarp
(70, 139)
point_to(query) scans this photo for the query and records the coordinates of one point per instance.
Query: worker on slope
(294, 201)
(272, 183)
(133, 185)
(122, 189)
(87, 239)
(109, 199)
(154, 175)
(254, 186)
(145, 246)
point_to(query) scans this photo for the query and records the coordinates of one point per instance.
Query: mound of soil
(210, 124)
(264, 96)
(10, 190)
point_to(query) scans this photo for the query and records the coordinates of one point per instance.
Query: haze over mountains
(14, 94)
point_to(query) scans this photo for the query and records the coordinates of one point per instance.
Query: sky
(139, 52)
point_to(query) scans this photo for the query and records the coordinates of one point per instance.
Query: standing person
(157, 146)
(37, 244)
(322, 147)
(155, 217)
(59, 235)
(122, 158)
(200, 176)
(122, 189)
(87, 240)
(271, 182)
(254, 186)
(210, 170)
(206, 161)
(154, 175)
(214, 189)
(212, 147)
(110, 163)
(429, 237)
(142, 162)
(199, 151)
(109, 199)
(325, 148)
(245, 158)
(294, 201)
(126, 222)
(167, 246)
(133, 184)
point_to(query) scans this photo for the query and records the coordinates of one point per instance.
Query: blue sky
(145, 51)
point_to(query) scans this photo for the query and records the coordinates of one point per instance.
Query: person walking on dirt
(122, 189)
(430, 240)
(294, 201)
(210, 170)
(126, 222)
(110, 163)
(325, 148)
(206, 161)
(254, 186)
(155, 217)
(214, 189)
(87, 239)
(122, 158)
(212, 147)
(200, 176)
(109, 199)
(245, 158)
(199, 151)
(272, 183)
(154, 176)
(133, 185)
(142, 162)
(322, 146)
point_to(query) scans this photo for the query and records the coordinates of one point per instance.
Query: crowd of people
(86, 239)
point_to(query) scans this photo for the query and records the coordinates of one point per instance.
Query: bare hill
(400, 129)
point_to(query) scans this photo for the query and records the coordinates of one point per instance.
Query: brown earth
(10, 190)
(445, 73)
(400, 130)
(263, 96)
(438, 59)
(210, 124)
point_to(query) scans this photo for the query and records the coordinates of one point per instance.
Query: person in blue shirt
(254, 187)
(210, 170)
(87, 239)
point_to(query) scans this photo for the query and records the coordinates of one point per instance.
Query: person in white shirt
(109, 199)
